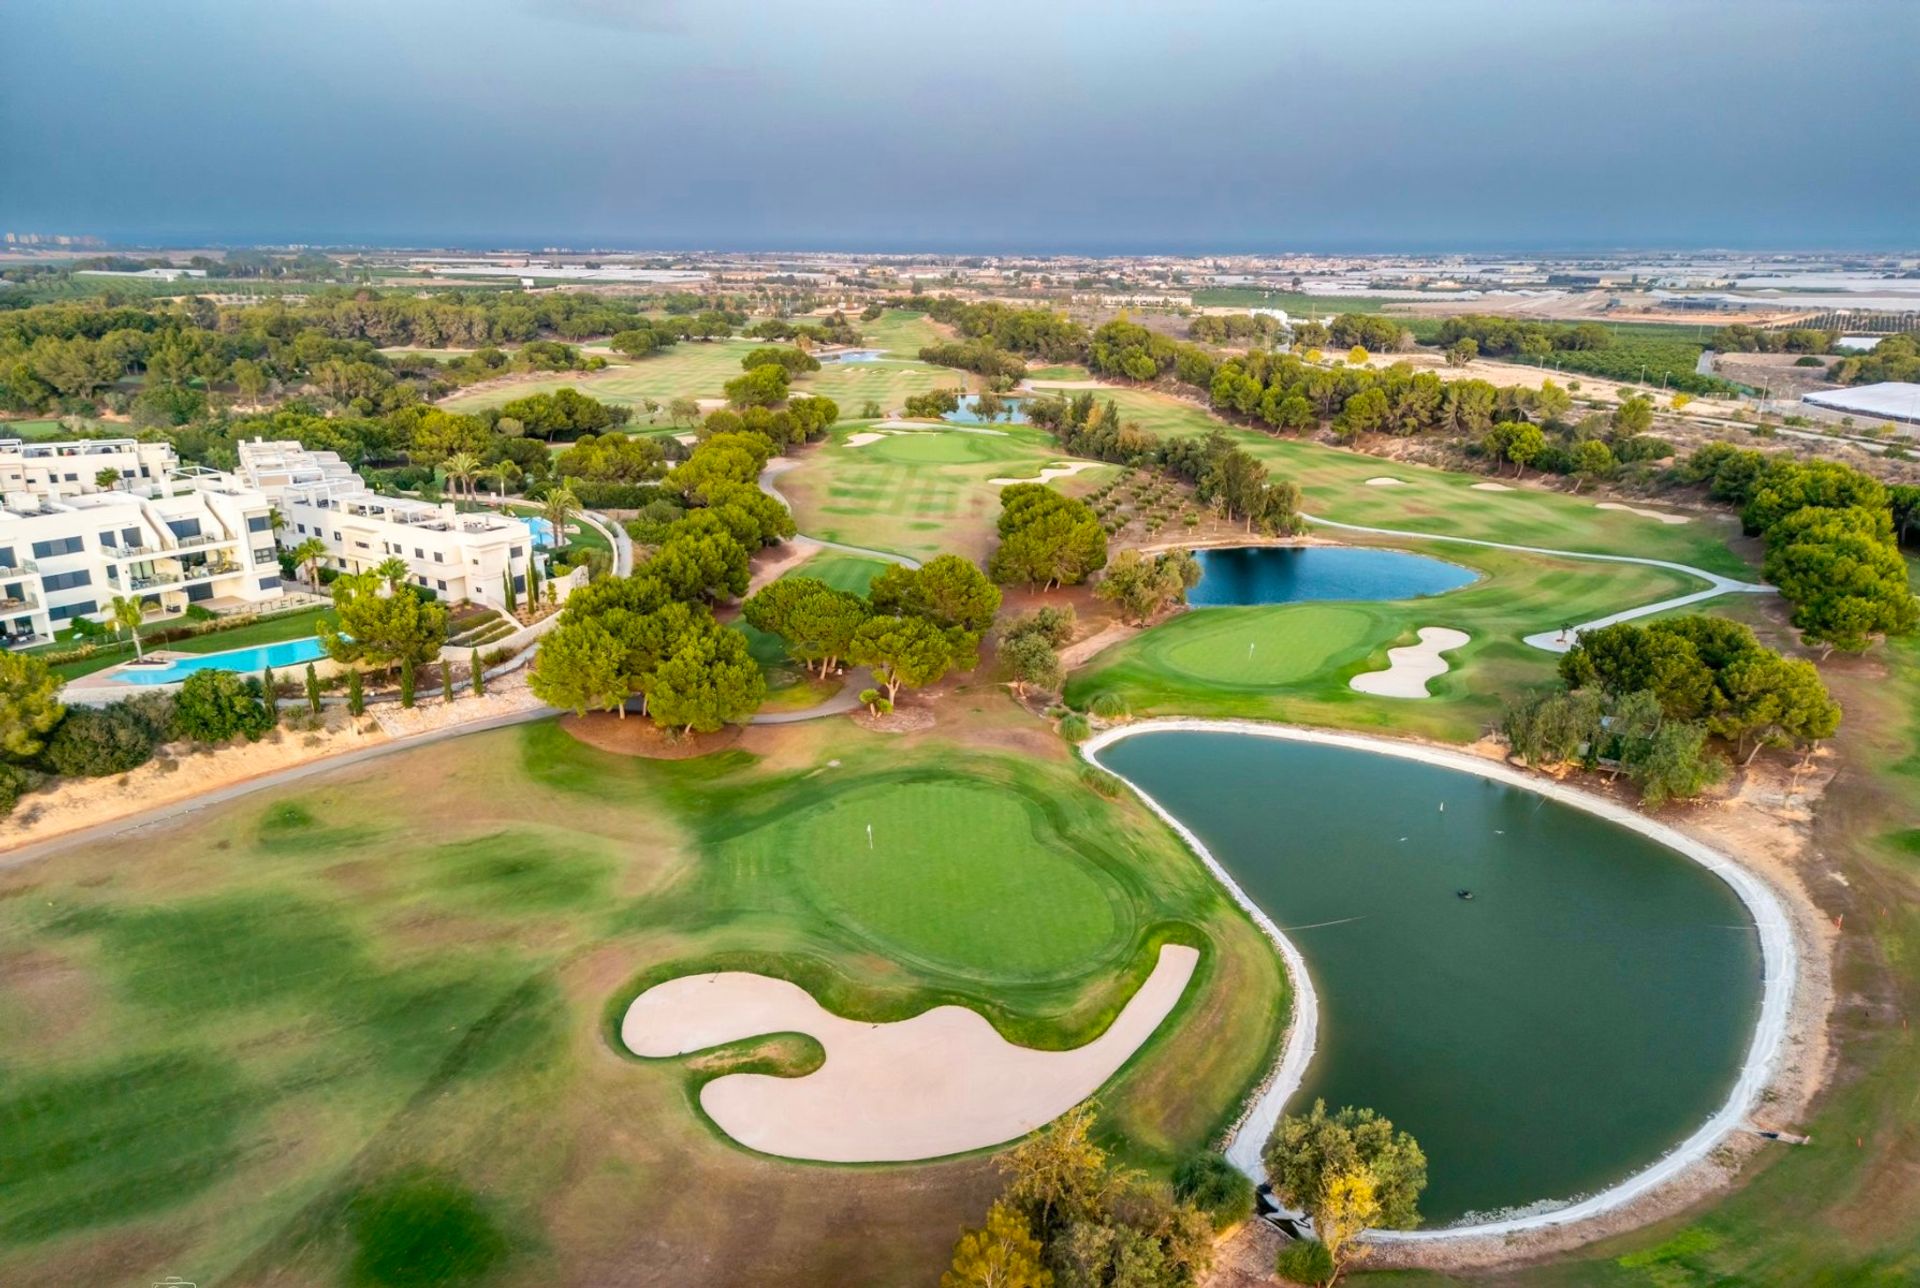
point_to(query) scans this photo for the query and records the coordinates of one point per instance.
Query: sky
(974, 126)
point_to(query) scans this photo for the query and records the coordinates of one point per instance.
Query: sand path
(1412, 665)
(943, 1082)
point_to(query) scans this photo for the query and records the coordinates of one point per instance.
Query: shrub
(93, 742)
(1074, 728)
(1304, 1262)
(1216, 1187)
(15, 781)
(1110, 706)
(214, 706)
(1101, 782)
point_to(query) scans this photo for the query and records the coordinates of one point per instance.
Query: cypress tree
(356, 695)
(406, 683)
(479, 675)
(313, 690)
(269, 690)
(506, 587)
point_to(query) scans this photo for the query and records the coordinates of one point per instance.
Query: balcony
(20, 569)
(180, 545)
(26, 599)
(155, 580)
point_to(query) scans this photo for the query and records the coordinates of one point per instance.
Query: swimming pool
(247, 660)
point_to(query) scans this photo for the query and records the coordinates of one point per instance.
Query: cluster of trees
(39, 735)
(795, 361)
(1351, 1172)
(1497, 336)
(383, 621)
(1030, 648)
(1831, 543)
(1072, 1218)
(765, 385)
(933, 404)
(1143, 586)
(912, 628)
(1247, 330)
(562, 414)
(1222, 473)
(983, 357)
(1046, 538)
(1649, 699)
(1741, 338)
(1895, 358)
(1037, 333)
(160, 361)
(835, 330)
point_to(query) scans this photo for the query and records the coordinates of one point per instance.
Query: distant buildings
(457, 556)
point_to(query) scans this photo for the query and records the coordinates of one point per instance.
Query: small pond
(852, 355)
(968, 414)
(1587, 1009)
(1297, 574)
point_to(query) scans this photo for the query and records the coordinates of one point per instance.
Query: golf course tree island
(1350, 1172)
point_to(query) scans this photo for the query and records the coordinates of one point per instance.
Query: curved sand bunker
(862, 438)
(1491, 487)
(1050, 473)
(1661, 515)
(943, 1082)
(1384, 481)
(1411, 666)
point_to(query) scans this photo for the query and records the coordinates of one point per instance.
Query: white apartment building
(73, 468)
(457, 556)
(193, 538)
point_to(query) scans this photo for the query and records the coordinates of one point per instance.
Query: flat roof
(1889, 400)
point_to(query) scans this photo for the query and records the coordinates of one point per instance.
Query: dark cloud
(991, 124)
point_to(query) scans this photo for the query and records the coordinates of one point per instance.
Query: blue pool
(1296, 574)
(1014, 414)
(246, 660)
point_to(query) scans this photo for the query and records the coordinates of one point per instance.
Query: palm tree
(561, 506)
(310, 552)
(128, 613)
(393, 569)
(504, 473)
(461, 468)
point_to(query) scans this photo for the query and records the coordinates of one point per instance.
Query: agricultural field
(916, 492)
(1294, 302)
(366, 1023)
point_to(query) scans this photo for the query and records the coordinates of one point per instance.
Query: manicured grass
(965, 878)
(384, 992)
(789, 686)
(1068, 371)
(843, 571)
(901, 332)
(1333, 485)
(889, 383)
(1198, 663)
(32, 429)
(274, 630)
(693, 368)
(918, 492)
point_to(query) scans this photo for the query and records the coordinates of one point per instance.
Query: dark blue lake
(1297, 574)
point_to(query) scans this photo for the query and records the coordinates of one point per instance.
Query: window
(438, 557)
(269, 583)
(519, 581)
(300, 528)
(263, 556)
(441, 584)
(360, 545)
(184, 527)
(260, 523)
(6, 557)
(73, 478)
(418, 553)
(68, 580)
(57, 546)
(129, 536)
(515, 553)
(107, 539)
(65, 611)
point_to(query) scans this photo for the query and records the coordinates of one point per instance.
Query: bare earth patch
(1411, 666)
(944, 1082)
(639, 736)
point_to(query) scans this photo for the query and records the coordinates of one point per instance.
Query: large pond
(1584, 1012)
(1294, 574)
(968, 413)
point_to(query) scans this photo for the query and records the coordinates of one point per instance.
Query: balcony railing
(19, 569)
(181, 544)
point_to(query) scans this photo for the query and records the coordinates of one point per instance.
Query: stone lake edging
(1780, 958)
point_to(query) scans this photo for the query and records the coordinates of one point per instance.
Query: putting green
(1259, 648)
(962, 876)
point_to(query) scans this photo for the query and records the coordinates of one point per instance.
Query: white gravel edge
(1780, 960)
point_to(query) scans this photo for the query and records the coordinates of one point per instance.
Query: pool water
(245, 660)
(1583, 1013)
(1013, 414)
(1241, 575)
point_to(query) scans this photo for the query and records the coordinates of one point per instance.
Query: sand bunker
(1050, 473)
(943, 1082)
(864, 437)
(1384, 481)
(1491, 487)
(1410, 667)
(1661, 515)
